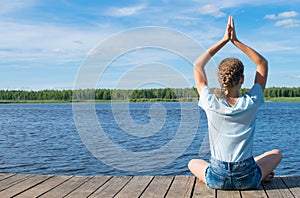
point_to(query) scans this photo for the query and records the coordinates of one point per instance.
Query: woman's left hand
(228, 31)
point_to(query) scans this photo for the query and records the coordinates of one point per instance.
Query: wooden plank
(5, 175)
(135, 187)
(44, 187)
(293, 183)
(158, 187)
(276, 188)
(112, 187)
(201, 190)
(182, 186)
(10, 181)
(24, 185)
(260, 192)
(66, 187)
(228, 194)
(89, 187)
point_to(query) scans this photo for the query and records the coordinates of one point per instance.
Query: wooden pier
(22, 185)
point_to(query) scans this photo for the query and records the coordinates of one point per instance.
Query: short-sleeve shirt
(231, 128)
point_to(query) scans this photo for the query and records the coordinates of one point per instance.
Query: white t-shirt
(231, 129)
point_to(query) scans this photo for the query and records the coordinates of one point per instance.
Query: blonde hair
(230, 72)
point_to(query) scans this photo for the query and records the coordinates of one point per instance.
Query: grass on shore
(283, 99)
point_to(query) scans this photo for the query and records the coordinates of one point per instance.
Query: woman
(231, 121)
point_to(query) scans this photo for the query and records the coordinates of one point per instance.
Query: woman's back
(231, 129)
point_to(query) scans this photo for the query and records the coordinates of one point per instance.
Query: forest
(159, 94)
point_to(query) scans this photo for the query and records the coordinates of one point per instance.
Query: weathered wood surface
(20, 185)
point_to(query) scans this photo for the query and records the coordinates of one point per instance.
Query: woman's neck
(232, 96)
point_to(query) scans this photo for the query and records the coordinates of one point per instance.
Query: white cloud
(59, 50)
(8, 6)
(274, 46)
(125, 11)
(271, 16)
(287, 14)
(224, 4)
(36, 43)
(212, 10)
(78, 42)
(288, 23)
(282, 15)
(284, 19)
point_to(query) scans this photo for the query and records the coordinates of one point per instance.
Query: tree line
(124, 94)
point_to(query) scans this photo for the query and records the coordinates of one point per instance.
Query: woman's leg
(268, 162)
(198, 167)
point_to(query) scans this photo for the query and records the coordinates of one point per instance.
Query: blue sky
(43, 43)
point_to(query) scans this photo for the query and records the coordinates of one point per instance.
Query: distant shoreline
(274, 99)
(127, 95)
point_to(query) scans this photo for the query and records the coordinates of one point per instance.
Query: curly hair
(230, 72)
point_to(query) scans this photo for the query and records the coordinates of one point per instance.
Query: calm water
(43, 138)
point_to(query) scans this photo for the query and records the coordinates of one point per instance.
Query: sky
(47, 44)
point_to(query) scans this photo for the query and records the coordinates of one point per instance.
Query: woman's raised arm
(260, 62)
(199, 72)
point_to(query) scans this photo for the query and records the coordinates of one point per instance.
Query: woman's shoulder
(256, 89)
(207, 97)
(255, 94)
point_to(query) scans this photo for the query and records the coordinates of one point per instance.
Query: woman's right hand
(227, 35)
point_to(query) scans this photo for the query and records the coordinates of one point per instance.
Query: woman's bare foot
(269, 178)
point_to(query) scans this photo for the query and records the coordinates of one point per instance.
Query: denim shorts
(240, 175)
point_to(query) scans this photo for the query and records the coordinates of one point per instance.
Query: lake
(128, 138)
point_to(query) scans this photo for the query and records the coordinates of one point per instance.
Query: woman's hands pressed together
(230, 34)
